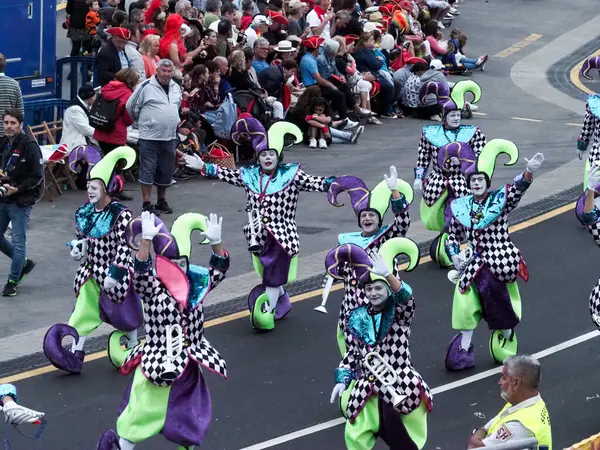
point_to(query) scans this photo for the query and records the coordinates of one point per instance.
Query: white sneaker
(473, 107)
(322, 143)
(312, 143)
(454, 11)
(351, 124)
(441, 26)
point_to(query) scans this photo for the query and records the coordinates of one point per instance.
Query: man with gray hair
(154, 105)
(183, 8)
(525, 414)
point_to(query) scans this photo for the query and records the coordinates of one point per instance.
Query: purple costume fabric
(124, 316)
(495, 301)
(276, 263)
(189, 410)
(392, 429)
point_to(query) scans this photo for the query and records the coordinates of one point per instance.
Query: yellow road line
(297, 298)
(526, 119)
(61, 6)
(574, 74)
(518, 46)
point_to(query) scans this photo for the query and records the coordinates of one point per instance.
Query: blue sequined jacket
(275, 197)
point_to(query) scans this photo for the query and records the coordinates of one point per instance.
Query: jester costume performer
(444, 183)
(590, 130)
(272, 190)
(14, 413)
(370, 208)
(588, 212)
(103, 283)
(168, 393)
(381, 394)
(487, 270)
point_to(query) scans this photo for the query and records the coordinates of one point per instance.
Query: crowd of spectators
(172, 67)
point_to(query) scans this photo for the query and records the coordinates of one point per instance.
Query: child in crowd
(456, 58)
(92, 20)
(318, 123)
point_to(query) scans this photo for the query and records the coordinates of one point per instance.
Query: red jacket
(118, 136)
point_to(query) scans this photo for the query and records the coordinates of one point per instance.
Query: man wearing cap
(295, 16)
(259, 26)
(436, 75)
(112, 57)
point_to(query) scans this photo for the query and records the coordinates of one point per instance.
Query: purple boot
(60, 357)
(284, 306)
(107, 440)
(457, 358)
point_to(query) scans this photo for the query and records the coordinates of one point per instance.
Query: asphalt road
(280, 382)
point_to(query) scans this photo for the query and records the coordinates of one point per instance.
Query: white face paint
(478, 185)
(377, 293)
(182, 263)
(268, 160)
(95, 190)
(452, 119)
(369, 222)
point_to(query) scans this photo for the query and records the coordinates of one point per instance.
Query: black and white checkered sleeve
(456, 236)
(312, 183)
(478, 141)
(218, 267)
(231, 176)
(589, 125)
(424, 153)
(594, 230)
(515, 192)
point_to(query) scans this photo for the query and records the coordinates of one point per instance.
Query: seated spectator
(149, 52)
(276, 32)
(223, 67)
(320, 20)
(410, 103)
(239, 76)
(259, 26)
(318, 121)
(352, 25)
(208, 47)
(296, 20)
(431, 31)
(261, 50)
(434, 74)
(247, 14)
(275, 79)
(456, 57)
(367, 61)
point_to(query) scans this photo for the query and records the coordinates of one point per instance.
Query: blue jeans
(470, 64)
(19, 216)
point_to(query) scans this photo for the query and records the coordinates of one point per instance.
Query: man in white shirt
(319, 20)
(260, 24)
(525, 415)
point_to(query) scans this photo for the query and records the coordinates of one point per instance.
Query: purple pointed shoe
(457, 358)
(284, 306)
(108, 439)
(60, 357)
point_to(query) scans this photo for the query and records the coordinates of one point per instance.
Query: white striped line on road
(438, 390)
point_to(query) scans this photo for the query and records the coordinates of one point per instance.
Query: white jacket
(136, 62)
(76, 127)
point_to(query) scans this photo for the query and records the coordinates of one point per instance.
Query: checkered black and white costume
(591, 220)
(390, 339)
(161, 309)
(107, 250)
(591, 128)
(354, 293)
(433, 138)
(489, 238)
(277, 202)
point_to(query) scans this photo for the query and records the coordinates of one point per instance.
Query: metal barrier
(521, 444)
(80, 67)
(50, 110)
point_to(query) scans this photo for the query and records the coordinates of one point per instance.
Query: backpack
(102, 114)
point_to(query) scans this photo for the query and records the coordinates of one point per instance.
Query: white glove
(593, 177)
(78, 249)
(580, 154)
(338, 390)
(534, 163)
(392, 180)
(213, 230)
(418, 186)
(457, 262)
(16, 414)
(194, 162)
(149, 230)
(380, 267)
(109, 283)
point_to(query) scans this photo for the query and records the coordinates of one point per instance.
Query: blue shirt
(326, 66)
(308, 66)
(259, 65)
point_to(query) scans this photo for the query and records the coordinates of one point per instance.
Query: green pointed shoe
(262, 320)
(442, 257)
(116, 352)
(501, 348)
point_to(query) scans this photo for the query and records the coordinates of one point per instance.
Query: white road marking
(438, 390)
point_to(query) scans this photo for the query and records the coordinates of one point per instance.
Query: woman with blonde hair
(149, 50)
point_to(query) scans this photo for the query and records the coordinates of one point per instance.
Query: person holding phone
(320, 20)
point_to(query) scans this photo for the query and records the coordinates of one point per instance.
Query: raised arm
(521, 183)
(312, 183)
(213, 171)
(219, 260)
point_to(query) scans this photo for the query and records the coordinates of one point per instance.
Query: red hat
(313, 42)
(415, 60)
(276, 16)
(406, 5)
(386, 22)
(149, 32)
(388, 9)
(350, 39)
(119, 32)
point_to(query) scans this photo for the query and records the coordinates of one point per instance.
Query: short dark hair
(13, 112)
(2, 63)
(228, 8)
(289, 64)
(91, 2)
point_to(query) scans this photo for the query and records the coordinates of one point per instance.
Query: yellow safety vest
(535, 418)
